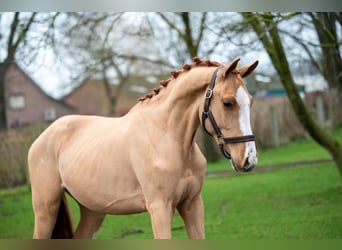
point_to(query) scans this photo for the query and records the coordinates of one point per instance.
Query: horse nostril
(248, 166)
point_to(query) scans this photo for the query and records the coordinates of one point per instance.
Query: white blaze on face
(243, 101)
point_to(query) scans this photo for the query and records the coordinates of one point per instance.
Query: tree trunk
(16, 37)
(271, 41)
(331, 62)
(3, 120)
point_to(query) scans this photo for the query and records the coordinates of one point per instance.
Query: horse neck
(178, 108)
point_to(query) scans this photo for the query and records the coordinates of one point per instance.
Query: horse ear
(230, 67)
(248, 69)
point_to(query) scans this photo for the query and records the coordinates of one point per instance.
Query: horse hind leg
(192, 212)
(63, 226)
(47, 192)
(46, 200)
(89, 224)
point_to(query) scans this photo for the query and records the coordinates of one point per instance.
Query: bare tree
(23, 38)
(322, 51)
(19, 28)
(107, 46)
(187, 32)
(330, 63)
(265, 25)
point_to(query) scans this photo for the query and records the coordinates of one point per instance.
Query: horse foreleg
(161, 217)
(89, 224)
(192, 212)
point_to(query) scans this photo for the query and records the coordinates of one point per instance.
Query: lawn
(300, 150)
(295, 203)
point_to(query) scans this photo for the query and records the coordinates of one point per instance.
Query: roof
(90, 98)
(39, 89)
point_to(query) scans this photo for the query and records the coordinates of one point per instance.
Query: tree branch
(23, 32)
(260, 31)
(14, 25)
(171, 24)
(304, 46)
(201, 30)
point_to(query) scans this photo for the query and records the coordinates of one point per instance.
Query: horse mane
(196, 62)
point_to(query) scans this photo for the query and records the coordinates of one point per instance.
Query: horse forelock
(196, 62)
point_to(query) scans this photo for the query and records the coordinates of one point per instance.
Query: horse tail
(63, 228)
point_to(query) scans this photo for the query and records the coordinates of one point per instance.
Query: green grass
(298, 203)
(16, 216)
(300, 150)
(294, 203)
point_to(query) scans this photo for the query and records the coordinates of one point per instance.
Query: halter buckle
(220, 140)
(208, 93)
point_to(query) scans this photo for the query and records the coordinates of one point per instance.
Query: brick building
(27, 103)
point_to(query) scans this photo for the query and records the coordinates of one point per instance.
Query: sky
(55, 81)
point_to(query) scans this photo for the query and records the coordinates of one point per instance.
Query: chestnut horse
(146, 160)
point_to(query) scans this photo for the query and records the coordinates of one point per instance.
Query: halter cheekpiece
(208, 114)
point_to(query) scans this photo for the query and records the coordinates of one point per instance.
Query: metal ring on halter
(208, 93)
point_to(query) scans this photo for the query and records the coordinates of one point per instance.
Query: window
(50, 114)
(17, 101)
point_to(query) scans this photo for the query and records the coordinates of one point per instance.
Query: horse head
(226, 115)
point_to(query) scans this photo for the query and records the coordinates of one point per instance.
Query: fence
(274, 122)
(14, 144)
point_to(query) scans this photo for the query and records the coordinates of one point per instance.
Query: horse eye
(228, 104)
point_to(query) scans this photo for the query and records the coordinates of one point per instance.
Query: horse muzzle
(247, 166)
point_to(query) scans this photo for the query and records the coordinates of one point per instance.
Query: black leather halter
(208, 114)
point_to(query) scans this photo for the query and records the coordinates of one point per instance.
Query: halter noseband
(208, 114)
